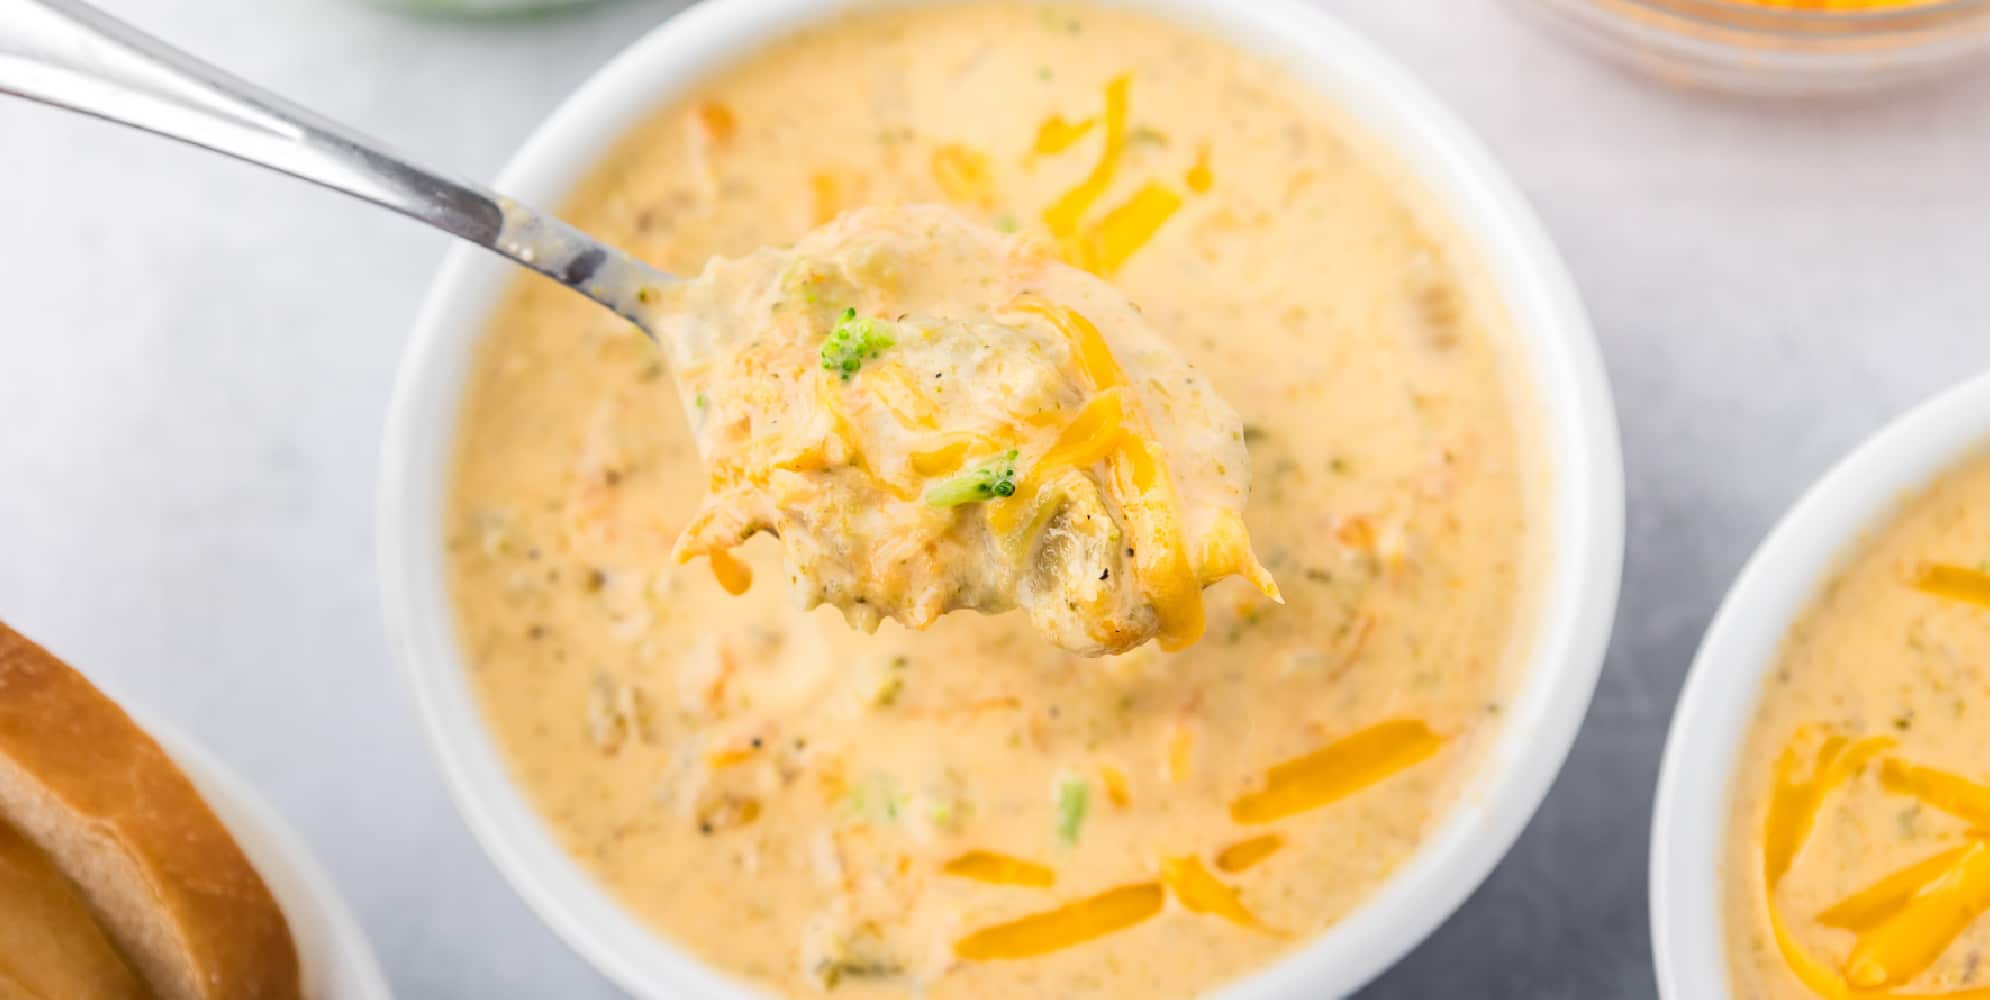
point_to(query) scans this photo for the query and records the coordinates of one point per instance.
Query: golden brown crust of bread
(160, 873)
(50, 946)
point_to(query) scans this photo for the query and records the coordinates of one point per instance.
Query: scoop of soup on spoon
(929, 416)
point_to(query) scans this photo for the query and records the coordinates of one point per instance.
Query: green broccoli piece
(853, 341)
(991, 480)
(1073, 796)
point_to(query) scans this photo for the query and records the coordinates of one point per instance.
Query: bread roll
(163, 878)
(50, 946)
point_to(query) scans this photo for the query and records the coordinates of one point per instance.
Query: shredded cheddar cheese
(964, 174)
(1180, 752)
(1841, 5)
(1064, 215)
(1140, 478)
(1068, 925)
(1874, 904)
(1903, 921)
(1952, 794)
(951, 450)
(1088, 348)
(735, 576)
(1200, 178)
(1056, 135)
(719, 760)
(1200, 892)
(1114, 781)
(1245, 854)
(1338, 770)
(999, 869)
(1793, 806)
(1107, 243)
(1910, 940)
(1956, 583)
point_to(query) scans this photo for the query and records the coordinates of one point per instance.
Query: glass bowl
(1785, 47)
(480, 8)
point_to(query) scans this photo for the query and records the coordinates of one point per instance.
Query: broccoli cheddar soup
(1858, 862)
(966, 809)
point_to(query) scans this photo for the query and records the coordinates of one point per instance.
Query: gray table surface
(195, 359)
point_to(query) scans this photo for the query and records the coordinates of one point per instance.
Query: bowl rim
(335, 958)
(1724, 686)
(1575, 424)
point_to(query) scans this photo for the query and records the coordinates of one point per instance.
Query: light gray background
(195, 359)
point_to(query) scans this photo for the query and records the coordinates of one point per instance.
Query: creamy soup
(1858, 862)
(967, 810)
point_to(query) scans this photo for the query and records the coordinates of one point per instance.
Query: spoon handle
(68, 54)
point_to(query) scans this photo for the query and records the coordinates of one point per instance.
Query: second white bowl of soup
(1823, 807)
(709, 794)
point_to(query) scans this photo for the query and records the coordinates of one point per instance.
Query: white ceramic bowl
(334, 958)
(1554, 348)
(1690, 824)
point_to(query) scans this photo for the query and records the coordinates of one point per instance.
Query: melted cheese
(1140, 477)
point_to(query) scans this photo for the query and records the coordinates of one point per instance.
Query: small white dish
(1554, 349)
(1690, 824)
(333, 956)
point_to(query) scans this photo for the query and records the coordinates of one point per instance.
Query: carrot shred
(714, 121)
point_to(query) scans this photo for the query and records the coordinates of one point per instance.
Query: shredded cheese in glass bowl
(1779, 47)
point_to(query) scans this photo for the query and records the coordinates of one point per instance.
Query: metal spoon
(71, 55)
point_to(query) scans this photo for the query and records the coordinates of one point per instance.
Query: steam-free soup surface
(1857, 855)
(967, 811)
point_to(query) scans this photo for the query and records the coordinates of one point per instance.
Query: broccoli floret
(853, 341)
(991, 480)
